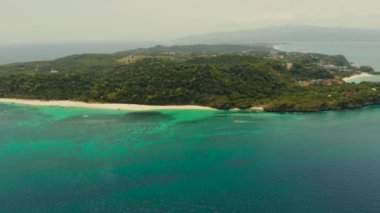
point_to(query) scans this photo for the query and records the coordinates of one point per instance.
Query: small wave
(242, 121)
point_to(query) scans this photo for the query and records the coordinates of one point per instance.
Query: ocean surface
(359, 52)
(40, 52)
(80, 160)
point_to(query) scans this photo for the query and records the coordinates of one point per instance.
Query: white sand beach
(351, 78)
(75, 104)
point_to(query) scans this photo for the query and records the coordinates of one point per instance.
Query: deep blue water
(80, 160)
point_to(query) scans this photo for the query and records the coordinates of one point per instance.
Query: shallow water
(366, 78)
(71, 160)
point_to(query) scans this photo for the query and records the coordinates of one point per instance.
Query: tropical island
(217, 76)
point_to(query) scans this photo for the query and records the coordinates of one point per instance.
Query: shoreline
(138, 107)
(277, 47)
(110, 106)
(349, 79)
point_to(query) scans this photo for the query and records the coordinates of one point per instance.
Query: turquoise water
(80, 160)
(359, 52)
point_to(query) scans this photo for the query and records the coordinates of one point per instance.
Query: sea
(56, 159)
(357, 52)
(12, 53)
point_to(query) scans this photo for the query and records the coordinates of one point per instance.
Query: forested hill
(96, 62)
(222, 76)
(198, 49)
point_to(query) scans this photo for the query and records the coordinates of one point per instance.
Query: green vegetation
(368, 69)
(196, 50)
(153, 81)
(222, 76)
(323, 98)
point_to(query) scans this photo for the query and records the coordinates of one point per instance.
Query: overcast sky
(26, 21)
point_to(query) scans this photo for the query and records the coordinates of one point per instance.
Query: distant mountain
(286, 33)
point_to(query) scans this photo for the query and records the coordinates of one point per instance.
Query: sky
(36, 21)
